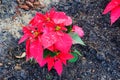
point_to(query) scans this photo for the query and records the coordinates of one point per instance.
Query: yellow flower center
(57, 28)
(57, 53)
(35, 33)
(48, 19)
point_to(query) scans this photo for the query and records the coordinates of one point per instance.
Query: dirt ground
(100, 57)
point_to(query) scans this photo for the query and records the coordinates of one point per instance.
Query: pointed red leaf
(115, 14)
(26, 30)
(28, 54)
(23, 38)
(62, 18)
(50, 63)
(64, 61)
(64, 43)
(27, 34)
(52, 48)
(48, 39)
(38, 18)
(36, 51)
(58, 67)
(44, 61)
(51, 12)
(110, 6)
(65, 56)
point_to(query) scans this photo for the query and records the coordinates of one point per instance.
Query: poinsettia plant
(114, 8)
(49, 38)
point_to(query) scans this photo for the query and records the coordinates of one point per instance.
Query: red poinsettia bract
(114, 8)
(57, 60)
(49, 32)
(32, 35)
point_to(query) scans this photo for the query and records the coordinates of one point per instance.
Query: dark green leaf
(75, 57)
(48, 52)
(69, 28)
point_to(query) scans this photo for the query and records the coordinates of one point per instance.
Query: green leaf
(69, 28)
(48, 52)
(76, 38)
(77, 52)
(75, 57)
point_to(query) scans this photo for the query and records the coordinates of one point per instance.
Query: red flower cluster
(114, 8)
(47, 39)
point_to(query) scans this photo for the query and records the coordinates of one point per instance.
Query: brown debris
(30, 4)
(21, 56)
(25, 7)
(0, 1)
(17, 13)
(1, 64)
(17, 67)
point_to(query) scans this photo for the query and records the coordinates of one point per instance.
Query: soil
(100, 58)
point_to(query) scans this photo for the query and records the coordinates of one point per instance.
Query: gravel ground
(101, 56)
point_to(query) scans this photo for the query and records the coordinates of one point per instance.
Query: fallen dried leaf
(21, 56)
(25, 7)
(42, 5)
(19, 2)
(0, 1)
(36, 3)
(32, 1)
(29, 4)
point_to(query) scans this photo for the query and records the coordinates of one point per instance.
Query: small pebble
(9, 63)
(83, 58)
(93, 70)
(1, 64)
(17, 67)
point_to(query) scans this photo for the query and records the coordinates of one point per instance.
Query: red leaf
(23, 38)
(111, 5)
(64, 61)
(64, 43)
(115, 14)
(68, 21)
(50, 63)
(62, 18)
(44, 61)
(26, 30)
(65, 56)
(52, 48)
(37, 19)
(48, 39)
(27, 34)
(36, 51)
(28, 55)
(50, 13)
(58, 67)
